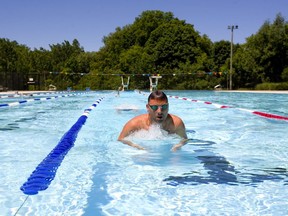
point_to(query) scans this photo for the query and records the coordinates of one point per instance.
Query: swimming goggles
(155, 107)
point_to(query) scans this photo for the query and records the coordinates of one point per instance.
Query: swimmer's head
(157, 107)
(158, 95)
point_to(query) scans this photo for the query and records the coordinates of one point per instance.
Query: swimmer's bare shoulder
(176, 125)
(174, 117)
(134, 124)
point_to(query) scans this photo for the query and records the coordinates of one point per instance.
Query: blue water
(234, 164)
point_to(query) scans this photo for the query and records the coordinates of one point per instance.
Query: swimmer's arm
(179, 145)
(181, 131)
(128, 129)
(127, 142)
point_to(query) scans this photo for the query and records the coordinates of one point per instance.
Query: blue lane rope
(45, 172)
(29, 94)
(36, 99)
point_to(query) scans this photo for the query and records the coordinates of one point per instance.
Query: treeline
(156, 43)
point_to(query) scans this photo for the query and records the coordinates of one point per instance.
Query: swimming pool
(234, 164)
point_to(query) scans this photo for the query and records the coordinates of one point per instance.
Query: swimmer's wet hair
(159, 95)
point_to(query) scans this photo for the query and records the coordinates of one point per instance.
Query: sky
(40, 23)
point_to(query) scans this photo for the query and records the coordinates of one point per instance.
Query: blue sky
(38, 23)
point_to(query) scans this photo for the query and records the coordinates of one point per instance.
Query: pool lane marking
(45, 172)
(36, 99)
(262, 114)
(30, 94)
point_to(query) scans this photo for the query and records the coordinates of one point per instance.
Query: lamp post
(232, 27)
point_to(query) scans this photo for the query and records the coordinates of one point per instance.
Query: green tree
(155, 43)
(70, 61)
(221, 52)
(268, 50)
(63, 54)
(14, 64)
(173, 43)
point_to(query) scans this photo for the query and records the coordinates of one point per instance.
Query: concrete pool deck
(239, 91)
(24, 92)
(256, 91)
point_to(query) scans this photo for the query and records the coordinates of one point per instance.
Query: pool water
(235, 162)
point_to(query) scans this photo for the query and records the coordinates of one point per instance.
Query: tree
(155, 43)
(61, 54)
(221, 52)
(268, 50)
(173, 43)
(14, 63)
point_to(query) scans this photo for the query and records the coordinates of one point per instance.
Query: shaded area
(13, 126)
(98, 195)
(220, 171)
(10, 126)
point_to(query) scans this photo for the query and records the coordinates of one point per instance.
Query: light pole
(232, 27)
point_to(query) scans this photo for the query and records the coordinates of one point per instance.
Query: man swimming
(157, 108)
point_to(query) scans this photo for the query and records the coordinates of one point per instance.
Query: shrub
(272, 86)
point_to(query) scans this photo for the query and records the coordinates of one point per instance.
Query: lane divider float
(29, 94)
(45, 172)
(262, 114)
(36, 99)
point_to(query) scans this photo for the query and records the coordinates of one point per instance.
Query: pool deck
(23, 92)
(256, 91)
(241, 91)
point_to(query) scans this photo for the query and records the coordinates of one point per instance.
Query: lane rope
(37, 99)
(29, 94)
(45, 172)
(259, 113)
(21, 205)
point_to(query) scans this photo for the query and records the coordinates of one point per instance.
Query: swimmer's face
(158, 110)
